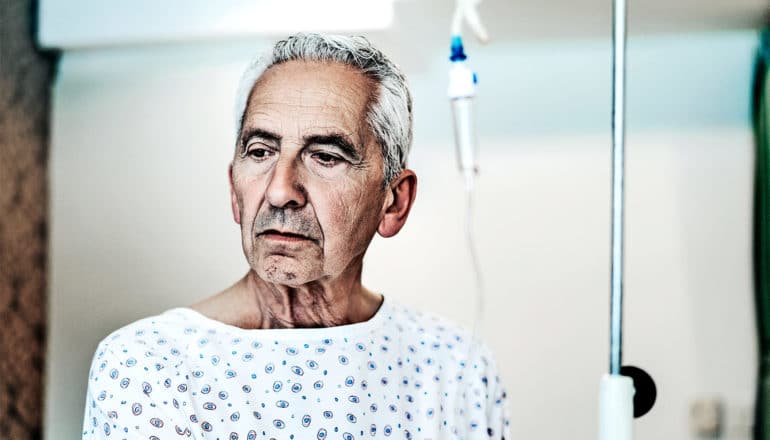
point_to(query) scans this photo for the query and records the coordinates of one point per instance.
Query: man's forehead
(324, 97)
(312, 84)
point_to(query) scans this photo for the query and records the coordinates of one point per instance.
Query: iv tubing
(461, 92)
(475, 266)
(618, 140)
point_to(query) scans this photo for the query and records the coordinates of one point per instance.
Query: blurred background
(133, 218)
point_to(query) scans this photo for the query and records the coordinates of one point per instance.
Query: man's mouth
(273, 234)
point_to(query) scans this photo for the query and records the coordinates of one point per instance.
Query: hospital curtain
(761, 116)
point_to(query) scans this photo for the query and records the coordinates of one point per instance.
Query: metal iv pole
(618, 169)
(625, 392)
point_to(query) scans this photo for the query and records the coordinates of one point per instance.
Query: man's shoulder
(142, 336)
(162, 324)
(436, 330)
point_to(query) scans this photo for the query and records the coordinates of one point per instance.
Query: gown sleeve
(127, 398)
(494, 397)
(498, 410)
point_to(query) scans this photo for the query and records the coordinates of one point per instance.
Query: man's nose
(285, 188)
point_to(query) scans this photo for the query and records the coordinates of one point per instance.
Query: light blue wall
(562, 87)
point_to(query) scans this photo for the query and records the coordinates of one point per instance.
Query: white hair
(389, 113)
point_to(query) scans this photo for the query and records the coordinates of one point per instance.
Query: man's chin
(286, 270)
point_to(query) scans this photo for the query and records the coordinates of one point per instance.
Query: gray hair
(390, 111)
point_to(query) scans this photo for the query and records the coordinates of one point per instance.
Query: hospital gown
(401, 374)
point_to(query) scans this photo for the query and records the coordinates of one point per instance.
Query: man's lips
(272, 234)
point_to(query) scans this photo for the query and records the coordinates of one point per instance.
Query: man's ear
(233, 198)
(398, 203)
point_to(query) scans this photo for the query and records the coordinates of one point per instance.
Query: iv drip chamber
(465, 137)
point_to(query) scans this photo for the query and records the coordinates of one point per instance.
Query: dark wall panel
(25, 85)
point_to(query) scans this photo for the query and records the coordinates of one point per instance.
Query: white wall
(140, 216)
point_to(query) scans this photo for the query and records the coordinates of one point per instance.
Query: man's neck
(253, 303)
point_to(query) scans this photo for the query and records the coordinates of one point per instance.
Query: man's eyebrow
(249, 133)
(338, 140)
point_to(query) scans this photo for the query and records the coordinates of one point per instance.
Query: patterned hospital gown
(401, 374)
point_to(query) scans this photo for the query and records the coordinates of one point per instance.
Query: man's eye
(259, 153)
(326, 159)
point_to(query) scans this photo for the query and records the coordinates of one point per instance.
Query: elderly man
(298, 348)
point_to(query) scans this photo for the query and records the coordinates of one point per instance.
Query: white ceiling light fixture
(80, 24)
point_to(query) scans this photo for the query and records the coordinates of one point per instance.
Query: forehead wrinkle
(339, 109)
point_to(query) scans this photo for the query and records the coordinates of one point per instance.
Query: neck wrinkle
(318, 304)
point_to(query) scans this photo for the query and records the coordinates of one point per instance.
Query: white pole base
(616, 408)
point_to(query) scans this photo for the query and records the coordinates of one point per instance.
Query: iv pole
(618, 168)
(626, 392)
(616, 404)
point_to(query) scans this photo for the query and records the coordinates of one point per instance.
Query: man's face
(307, 174)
